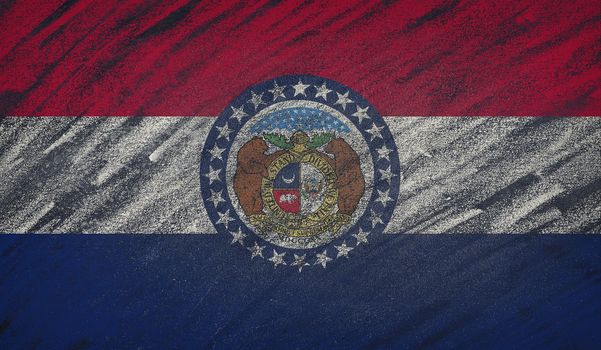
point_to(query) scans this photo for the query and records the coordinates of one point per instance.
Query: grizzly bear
(350, 182)
(250, 171)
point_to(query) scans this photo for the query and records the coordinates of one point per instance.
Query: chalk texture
(459, 175)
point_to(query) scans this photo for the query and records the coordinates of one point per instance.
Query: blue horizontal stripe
(402, 291)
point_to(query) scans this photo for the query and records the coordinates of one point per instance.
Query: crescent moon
(288, 181)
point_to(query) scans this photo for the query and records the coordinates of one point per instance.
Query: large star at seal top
(299, 89)
(322, 91)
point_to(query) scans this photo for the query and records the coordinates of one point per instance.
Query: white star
(224, 218)
(300, 262)
(375, 131)
(322, 91)
(361, 113)
(216, 197)
(383, 197)
(256, 250)
(375, 218)
(343, 100)
(216, 152)
(213, 174)
(386, 174)
(299, 89)
(238, 113)
(277, 259)
(289, 124)
(277, 91)
(224, 131)
(256, 100)
(238, 237)
(383, 152)
(343, 250)
(323, 258)
(361, 236)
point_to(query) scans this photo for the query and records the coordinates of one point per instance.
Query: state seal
(299, 170)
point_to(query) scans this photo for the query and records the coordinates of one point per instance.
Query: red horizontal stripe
(537, 58)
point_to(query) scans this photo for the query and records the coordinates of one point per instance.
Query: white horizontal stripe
(467, 175)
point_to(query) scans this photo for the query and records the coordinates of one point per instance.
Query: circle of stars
(373, 129)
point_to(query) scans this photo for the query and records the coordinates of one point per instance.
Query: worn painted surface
(190, 58)
(406, 57)
(460, 175)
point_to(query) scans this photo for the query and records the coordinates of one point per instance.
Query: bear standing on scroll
(250, 171)
(350, 181)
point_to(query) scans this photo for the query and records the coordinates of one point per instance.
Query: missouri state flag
(300, 174)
